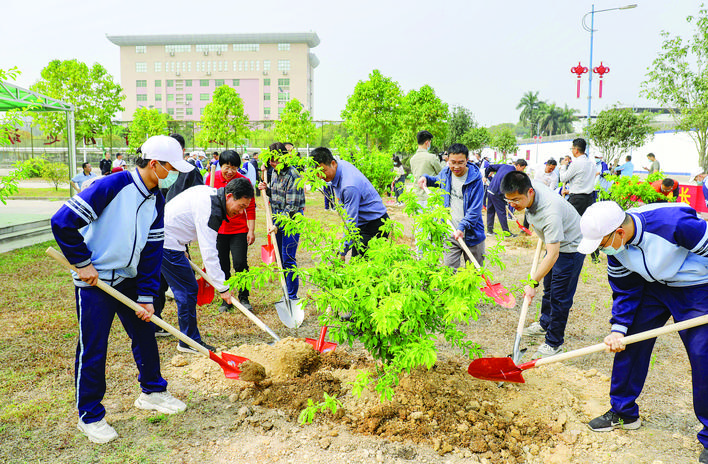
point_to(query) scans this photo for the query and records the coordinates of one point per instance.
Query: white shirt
(549, 179)
(187, 219)
(118, 163)
(580, 176)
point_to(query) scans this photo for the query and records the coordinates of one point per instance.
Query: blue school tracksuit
(116, 225)
(662, 273)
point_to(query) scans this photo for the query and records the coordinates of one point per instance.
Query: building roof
(309, 38)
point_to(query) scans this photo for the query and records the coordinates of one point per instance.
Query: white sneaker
(546, 350)
(98, 432)
(535, 330)
(163, 402)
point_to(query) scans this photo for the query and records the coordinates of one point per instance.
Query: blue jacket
(501, 171)
(670, 246)
(116, 225)
(472, 195)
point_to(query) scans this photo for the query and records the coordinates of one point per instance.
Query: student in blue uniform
(114, 232)
(658, 268)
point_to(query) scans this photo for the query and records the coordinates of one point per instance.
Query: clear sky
(481, 54)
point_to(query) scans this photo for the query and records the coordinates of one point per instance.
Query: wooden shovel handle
(238, 304)
(269, 224)
(131, 304)
(527, 301)
(212, 175)
(696, 321)
(464, 246)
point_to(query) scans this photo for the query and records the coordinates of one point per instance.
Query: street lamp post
(591, 30)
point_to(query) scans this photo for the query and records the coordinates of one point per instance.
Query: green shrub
(33, 167)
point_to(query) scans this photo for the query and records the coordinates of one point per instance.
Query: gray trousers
(453, 253)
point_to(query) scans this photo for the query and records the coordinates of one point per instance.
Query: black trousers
(581, 202)
(237, 246)
(369, 230)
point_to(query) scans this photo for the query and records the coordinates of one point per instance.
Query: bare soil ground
(441, 415)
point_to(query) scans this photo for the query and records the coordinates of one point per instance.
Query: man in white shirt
(548, 175)
(119, 162)
(196, 214)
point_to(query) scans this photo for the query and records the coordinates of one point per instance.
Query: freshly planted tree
(617, 130)
(56, 173)
(373, 163)
(295, 125)
(420, 110)
(504, 141)
(96, 98)
(476, 138)
(678, 81)
(224, 120)
(146, 123)
(373, 110)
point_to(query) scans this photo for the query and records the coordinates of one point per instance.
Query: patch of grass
(42, 192)
(158, 418)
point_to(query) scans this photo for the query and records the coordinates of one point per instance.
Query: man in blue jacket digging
(462, 182)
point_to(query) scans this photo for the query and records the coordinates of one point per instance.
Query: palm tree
(529, 106)
(550, 119)
(567, 118)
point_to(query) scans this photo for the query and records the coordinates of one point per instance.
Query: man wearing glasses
(557, 223)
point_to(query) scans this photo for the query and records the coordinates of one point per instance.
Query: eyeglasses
(607, 242)
(513, 202)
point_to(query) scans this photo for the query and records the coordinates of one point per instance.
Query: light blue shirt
(80, 178)
(627, 169)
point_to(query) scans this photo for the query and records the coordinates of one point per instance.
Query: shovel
(268, 252)
(521, 226)
(212, 176)
(229, 363)
(525, 307)
(205, 292)
(238, 304)
(290, 312)
(504, 369)
(320, 344)
(501, 295)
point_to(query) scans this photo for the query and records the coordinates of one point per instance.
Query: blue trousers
(180, 277)
(630, 367)
(496, 205)
(558, 291)
(329, 198)
(287, 246)
(95, 310)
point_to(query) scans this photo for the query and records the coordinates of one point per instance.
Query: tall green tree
(459, 122)
(530, 106)
(476, 138)
(295, 125)
(8, 123)
(549, 119)
(146, 123)
(678, 81)
(504, 141)
(616, 130)
(92, 91)
(420, 110)
(224, 120)
(566, 119)
(372, 111)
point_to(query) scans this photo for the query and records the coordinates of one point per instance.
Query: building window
(284, 82)
(158, 83)
(266, 111)
(141, 66)
(170, 83)
(171, 111)
(284, 97)
(141, 83)
(158, 97)
(204, 96)
(266, 96)
(170, 97)
(188, 97)
(212, 48)
(240, 65)
(204, 82)
(188, 82)
(282, 47)
(177, 48)
(266, 82)
(189, 111)
(218, 82)
(266, 65)
(246, 47)
(142, 97)
(140, 49)
(283, 65)
(158, 66)
(236, 82)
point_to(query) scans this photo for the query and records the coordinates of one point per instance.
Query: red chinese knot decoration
(579, 70)
(601, 70)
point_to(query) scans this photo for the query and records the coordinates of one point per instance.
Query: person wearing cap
(114, 231)
(495, 199)
(247, 169)
(548, 176)
(657, 267)
(197, 214)
(557, 223)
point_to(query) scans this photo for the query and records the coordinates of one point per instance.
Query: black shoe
(703, 458)
(160, 332)
(611, 420)
(225, 307)
(184, 348)
(595, 260)
(246, 304)
(510, 234)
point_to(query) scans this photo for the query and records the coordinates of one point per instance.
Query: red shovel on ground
(229, 363)
(521, 226)
(501, 295)
(268, 252)
(504, 369)
(205, 292)
(320, 344)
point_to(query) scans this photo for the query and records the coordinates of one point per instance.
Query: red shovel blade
(321, 345)
(521, 226)
(205, 292)
(497, 370)
(229, 363)
(268, 252)
(499, 294)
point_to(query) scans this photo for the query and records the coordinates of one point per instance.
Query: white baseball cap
(167, 149)
(696, 172)
(245, 156)
(599, 220)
